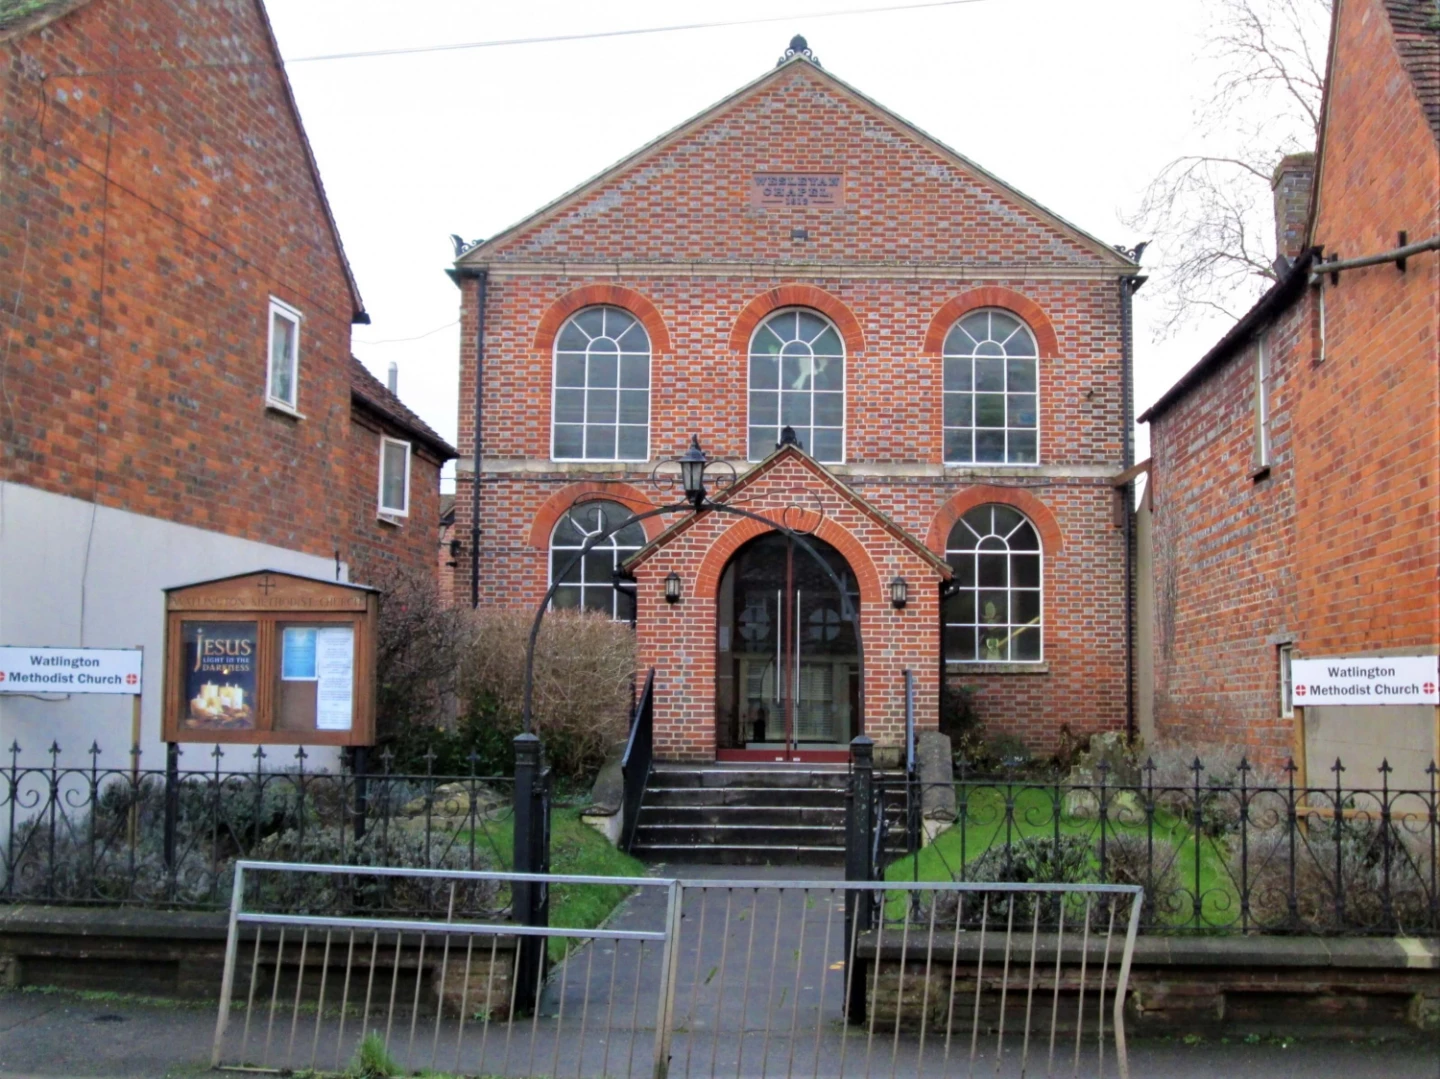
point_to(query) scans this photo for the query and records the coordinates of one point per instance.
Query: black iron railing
(170, 837)
(1238, 852)
(639, 755)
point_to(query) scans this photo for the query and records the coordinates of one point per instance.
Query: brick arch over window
(555, 506)
(707, 579)
(993, 296)
(955, 507)
(593, 296)
(757, 309)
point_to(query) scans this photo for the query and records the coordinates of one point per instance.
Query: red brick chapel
(946, 361)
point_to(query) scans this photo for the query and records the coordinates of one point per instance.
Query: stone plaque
(779, 190)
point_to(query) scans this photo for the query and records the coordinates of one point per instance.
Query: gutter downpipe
(481, 280)
(1128, 286)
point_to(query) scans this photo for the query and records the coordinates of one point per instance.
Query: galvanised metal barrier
(709, 978)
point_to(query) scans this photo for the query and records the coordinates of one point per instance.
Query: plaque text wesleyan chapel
(777, 190)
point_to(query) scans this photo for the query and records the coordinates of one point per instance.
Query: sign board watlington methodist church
(1367, 680)
(70, 670)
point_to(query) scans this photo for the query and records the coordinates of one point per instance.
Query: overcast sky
(1076, 104)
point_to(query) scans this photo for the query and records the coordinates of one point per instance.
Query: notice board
(270, 657)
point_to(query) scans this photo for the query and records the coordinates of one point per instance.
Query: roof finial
(798, 47)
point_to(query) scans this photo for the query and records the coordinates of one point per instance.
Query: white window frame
(1262, 404)
(1010, 589)
(610, 546)
(390, 511)
(1007, 393)
(585, 422)
(1286, 655)
(844, 390)
(291, 314)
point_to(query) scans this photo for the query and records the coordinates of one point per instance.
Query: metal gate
(688, 977)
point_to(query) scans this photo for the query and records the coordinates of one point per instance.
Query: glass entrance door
(788, 674)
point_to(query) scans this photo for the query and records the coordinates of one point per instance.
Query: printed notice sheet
(335, 669)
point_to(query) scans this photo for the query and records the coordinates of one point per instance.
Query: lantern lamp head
(672, 587)
(692, 472)
(899, 592)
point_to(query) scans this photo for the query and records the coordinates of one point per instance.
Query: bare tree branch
(1210, 214)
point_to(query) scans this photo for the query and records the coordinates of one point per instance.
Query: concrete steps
(731, 814)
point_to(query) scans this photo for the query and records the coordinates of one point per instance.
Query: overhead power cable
(403, 340)
(633, 32)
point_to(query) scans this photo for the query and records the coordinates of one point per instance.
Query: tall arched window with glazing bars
(797, 380)
(992, 613)
(601, 403)
(992, 392)
(590, 584)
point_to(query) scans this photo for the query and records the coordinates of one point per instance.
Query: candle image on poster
(335, 668)
(219, 661)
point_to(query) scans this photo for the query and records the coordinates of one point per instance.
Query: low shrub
(1034, 860)
(584, 666)
(1150, 863)
(1341, 882)
(405, 845)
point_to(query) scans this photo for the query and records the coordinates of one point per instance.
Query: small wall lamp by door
(899, 593)
(672, 587)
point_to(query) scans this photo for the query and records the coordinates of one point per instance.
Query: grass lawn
(988, 824)
(578, 849)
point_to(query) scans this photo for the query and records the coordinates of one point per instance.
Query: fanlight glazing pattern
(797, 379)
(602, 388)
(991, 391)
(994, 614)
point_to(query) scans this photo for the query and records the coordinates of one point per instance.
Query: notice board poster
(335, 672)
(220, 660)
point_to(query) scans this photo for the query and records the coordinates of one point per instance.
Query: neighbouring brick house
(952, 357)
(1296, 474)
(178, 400)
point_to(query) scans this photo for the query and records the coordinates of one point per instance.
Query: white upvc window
(1262, 404)
(394, 477)
(1287, 681)
(282, 371)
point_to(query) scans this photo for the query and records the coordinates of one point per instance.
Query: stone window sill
(390, 519)
(281, 407)
(997, 668)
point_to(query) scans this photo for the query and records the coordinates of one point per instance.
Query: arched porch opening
(788, 672)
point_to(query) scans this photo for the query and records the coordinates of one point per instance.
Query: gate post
(528, 898)
(859, 832)
(172, 815)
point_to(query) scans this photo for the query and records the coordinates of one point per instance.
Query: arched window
(991, 391)
(602, 388)
(993, 614)
(797, 379)
(590, 583)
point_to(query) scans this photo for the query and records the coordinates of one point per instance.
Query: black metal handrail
(639, 755)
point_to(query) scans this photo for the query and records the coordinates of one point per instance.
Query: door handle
(779, 680)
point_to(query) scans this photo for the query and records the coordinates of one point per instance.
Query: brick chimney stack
(1291, 184)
